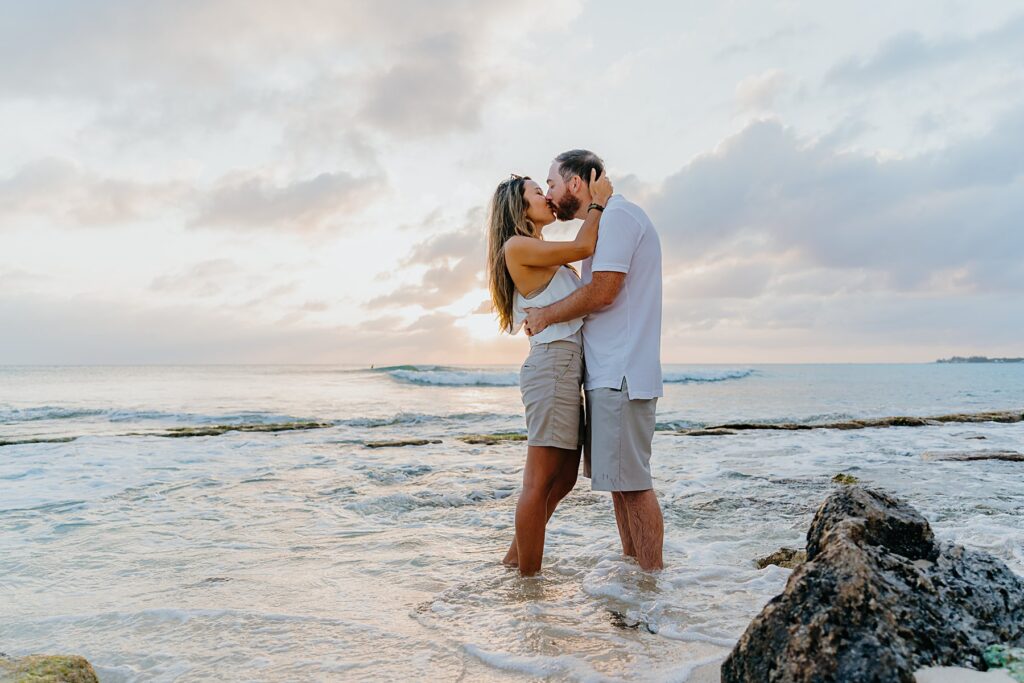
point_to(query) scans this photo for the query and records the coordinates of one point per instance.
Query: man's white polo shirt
(624, 339)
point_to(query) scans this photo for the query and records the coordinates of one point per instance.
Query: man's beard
(567, 206)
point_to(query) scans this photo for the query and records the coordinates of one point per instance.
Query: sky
(219, 181)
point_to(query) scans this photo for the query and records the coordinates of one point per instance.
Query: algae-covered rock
(706, 432)
(787, 558)
(217, 430)
(491, 439)
(845, 479)
(1005, 657)
(964, 456)
(1005, 416)
(47, 669)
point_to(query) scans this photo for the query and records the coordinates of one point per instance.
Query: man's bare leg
(646, 526)
(622, 521)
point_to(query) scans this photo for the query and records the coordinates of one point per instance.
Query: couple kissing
(596, 333)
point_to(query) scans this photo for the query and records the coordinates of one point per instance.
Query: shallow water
(305, 556)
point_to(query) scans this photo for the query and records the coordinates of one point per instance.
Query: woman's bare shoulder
(517, 242)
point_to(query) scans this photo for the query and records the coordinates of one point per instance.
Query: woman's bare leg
(563, 482)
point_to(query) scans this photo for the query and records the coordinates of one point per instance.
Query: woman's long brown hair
(507, 218)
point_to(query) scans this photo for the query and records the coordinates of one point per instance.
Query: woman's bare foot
(512, 556)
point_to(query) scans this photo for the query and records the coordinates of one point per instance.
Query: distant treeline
(979, 359)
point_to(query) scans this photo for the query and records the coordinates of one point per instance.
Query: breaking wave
(695, 376)
(439, 375)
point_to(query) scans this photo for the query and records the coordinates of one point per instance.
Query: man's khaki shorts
(617, 449)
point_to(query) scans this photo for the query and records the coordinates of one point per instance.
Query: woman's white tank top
(564, 283)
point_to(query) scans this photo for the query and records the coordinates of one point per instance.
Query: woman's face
(538, 209)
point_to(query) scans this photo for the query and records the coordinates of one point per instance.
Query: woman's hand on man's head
(600, 187)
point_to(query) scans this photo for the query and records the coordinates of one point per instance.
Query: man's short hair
(579, 162)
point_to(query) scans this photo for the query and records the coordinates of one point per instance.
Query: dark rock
(217, 430)
(19, 442)
(706, 432)
(778, 426)
(1011, 456)
(400, 442)
(878, 599)
(1006, 416)
(788, 558)
(491, 439)
(874, 519)
(851, 424)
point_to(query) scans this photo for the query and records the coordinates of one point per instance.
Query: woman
(526, 271)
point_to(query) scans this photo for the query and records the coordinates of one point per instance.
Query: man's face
(563, 200)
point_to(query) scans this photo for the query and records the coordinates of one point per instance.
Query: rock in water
(787, 558)
(400, 443)
(47, 669)
(877, 599)
(1009, 456)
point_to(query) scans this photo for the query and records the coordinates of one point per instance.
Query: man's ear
(575, 183)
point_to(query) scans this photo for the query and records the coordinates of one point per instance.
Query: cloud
(223, 283)
(454, 261)
(273, 293)
(903, 218)
(13, 279)
(240, 200)
(405, 69)
(63, 190)
(758, 92)
(909, 52)
(433, 89)
(81, 330)
(243, 201)
(731, 276)
(782, 36)
(203, 279)
(203, 45)
(315, 306)
(781, 247)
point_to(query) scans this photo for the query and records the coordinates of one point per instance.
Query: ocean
(304, 555)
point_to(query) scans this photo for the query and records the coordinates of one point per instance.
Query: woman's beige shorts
(550, 382)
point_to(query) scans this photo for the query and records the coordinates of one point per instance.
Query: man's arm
(600, 292)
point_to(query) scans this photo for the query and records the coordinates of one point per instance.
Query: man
(621, 298)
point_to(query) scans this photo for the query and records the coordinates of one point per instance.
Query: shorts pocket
(565, 364)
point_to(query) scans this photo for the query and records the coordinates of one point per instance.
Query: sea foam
(451, 377)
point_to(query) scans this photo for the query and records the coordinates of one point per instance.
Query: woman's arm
(527, 251)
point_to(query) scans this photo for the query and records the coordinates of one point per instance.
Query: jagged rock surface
(877, 599)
